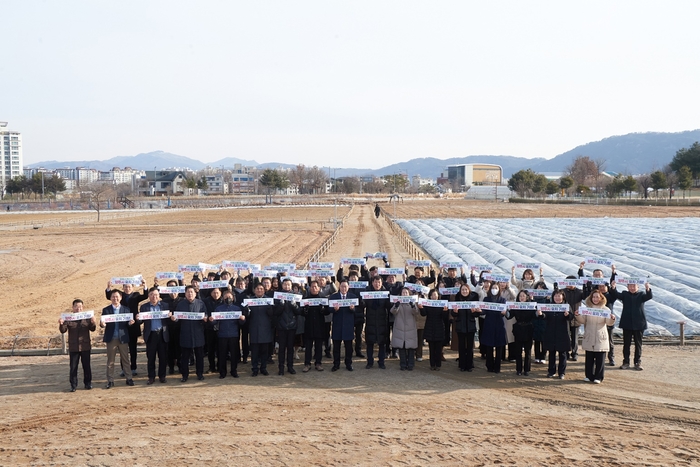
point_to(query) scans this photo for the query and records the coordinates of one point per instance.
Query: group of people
(248, 315)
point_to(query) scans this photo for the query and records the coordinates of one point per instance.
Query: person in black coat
(556, 336)
(633, 321)
(574, 296)
(286, 315)
(191, 334)
(343, 329)
(170, 301)
(314, 328)
(261, 331)
(493, 335)
(434, 330)
(156, 336)
(116, 337)
(523, 332)
(211, 346)
(228, 332)
(376, 312)
(240, 294)
(465, 322)
(131, 299)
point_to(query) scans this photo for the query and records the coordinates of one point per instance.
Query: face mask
(228, 300)
(494, 291)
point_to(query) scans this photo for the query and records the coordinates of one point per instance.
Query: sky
(352, 84)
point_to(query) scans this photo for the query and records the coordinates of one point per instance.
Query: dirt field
(365, 417)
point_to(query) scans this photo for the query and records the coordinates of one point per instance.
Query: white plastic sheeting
(664, 250)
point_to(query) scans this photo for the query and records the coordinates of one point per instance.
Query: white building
(216, 185)
(417, 181)
(10, 155)
(86, 175)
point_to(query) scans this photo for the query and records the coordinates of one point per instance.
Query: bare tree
(582, 169)
(298, 176)
(600, 165)
(98, 192)
(644, 182)
(317, 179)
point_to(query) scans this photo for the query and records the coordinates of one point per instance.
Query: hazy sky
(352, 84)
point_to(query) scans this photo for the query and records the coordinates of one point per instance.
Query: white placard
(175, 289)
(538, 292)
(464, 305)
(568, 282)
(533, 266)
(377, 255)
(204, 285)
(218, 315)
(553, 307)
(596, 280)
(449, 290)
(521, 305)
(77, 316)
(116, 318)
(418, 263)
(237, 265)
(188, 316)
(189, 268)
(597, 312)
(321, 265)
(497, 277)
(630, 280)
(600, 261)
(452, 264)
(433, 303)
(258, 301)
(147, 315)
(290, 297)
(390, 271)
(483, 267)
(358, 284)
(134, 280)
(323, 272)
(303, 273)
(314, 302)
(161, 276)
(489, 306)
(283, 266)
(403, 298)
(358, 261)
(207, 266)
(417, 288)
(374, 295)
(346, 302)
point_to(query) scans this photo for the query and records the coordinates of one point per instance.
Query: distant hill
(634, 153)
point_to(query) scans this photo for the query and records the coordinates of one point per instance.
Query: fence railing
(328, 243)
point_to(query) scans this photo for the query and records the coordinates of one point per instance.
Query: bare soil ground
(365, 417)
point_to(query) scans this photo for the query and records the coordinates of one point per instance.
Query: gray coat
(405, 329)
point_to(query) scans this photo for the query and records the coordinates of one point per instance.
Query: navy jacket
(191, 331)
(343, 319)
(148, 324)
(122, 326)
(228, 327)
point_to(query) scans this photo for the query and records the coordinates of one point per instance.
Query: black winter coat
(556, 336)
(191, 331)
(315, 320)
(434, 329)
(376, 317)
(465, 320)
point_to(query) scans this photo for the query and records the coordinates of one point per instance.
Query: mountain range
(632, 154)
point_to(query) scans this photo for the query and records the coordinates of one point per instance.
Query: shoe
(129, 382)
(469, 370)
(183, 380)
(296, 356)
(88, 386)
(210, 370)
(306, 368)
(574, 359)
(369, 366)
(461, 369)
(403, 368)
(255, 373)
(625, 366)
(200, 377)
(360, 355)
(163, 380)
(264, 373)
(234, 374)
(526, 373)
(110, 384)
(291, 371)
(432, 368)
(280, 373)
(349, 368)
(561, 376)
(596, 381)
(73, 389)
(122, 374)
(222, 376)
(382, 366)
(419, 359)
(319, 367)
(150, 381)
(587, 380)
(335, 368)
(550, 375)
(638, 366)
(134, 373)
(519, 373)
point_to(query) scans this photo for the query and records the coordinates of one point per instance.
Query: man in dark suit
(117, 338)
(131, 299)
(343, 326)
(191, 334)
(156, 335)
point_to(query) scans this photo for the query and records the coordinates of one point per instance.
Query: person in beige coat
(405, 334)
(595, 336)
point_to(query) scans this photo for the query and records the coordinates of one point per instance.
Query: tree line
(585, 176)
